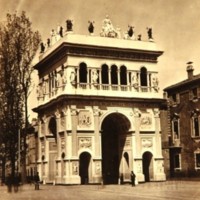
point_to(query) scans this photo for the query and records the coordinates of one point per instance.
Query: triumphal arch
(99, 107)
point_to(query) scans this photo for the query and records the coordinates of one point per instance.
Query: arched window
(123, 75)
(143, 76)
(83, 73)
(53, 127)
(114, 80)
(104, 74)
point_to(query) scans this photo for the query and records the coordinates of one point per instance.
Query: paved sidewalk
(170, 190)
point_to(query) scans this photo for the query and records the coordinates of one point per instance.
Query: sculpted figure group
(107, 30)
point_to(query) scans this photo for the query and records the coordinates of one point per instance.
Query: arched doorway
(114, 132)
(147, 163)
(84, 167)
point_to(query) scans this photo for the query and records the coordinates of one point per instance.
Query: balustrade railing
(100, 87)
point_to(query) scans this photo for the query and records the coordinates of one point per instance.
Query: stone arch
(147, 163)
(114, 131)
(85, 167)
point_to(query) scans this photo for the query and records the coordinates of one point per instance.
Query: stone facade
(99, 111)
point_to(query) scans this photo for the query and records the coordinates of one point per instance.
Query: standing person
(16, 182)
(37, 181)
(9, 183)
(132, 178)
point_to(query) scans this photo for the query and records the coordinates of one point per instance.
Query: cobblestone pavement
(171, 190)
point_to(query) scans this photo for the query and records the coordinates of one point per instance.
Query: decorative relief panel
(98, 168)
(75, 168)
(62, 138)
(85, 142)
(146, 121)
(160, 168)
(147, 142)
(84, 119)
(139, 167)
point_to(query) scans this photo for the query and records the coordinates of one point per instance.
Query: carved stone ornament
(85, 142)
(108, 29)
(75, 168)
(98, 168)
(146, 121)
(147, 143)
(84, 119)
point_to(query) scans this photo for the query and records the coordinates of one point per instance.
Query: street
(171, 190)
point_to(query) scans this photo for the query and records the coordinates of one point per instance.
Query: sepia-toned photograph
(99, 99)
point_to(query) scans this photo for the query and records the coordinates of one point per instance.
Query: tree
(18, 47)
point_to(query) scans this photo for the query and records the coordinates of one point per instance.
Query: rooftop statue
(108, 29)
(91, 27)
(69, 25)
(149, 32)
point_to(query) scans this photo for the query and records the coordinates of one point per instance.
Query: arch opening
(84, 167)
(147, 163)
(114, 132)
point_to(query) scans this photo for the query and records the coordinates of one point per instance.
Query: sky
(175, 25)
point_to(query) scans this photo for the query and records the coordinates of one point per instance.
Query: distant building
(99, 110)
(184, 106)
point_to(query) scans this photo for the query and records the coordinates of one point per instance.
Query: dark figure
(140, 37)
(149, 32)
(130, 31)
(91, 27)
(16, 182)
(42, 47)
(132, 178)
(69, 25)
(61, 31)
(121, 179)
(37, 181)
(48, 42)
(9, 182)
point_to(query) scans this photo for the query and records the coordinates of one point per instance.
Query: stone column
(100, 78)
(57, 114)
(118, 77)
(157, 132)
(74, 121)
(96, 131)
(109, 78)
(137, 115)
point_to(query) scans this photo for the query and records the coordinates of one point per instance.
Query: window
(123, 75)
(114, 80)
(83, 73)
(175, 129)
(104, 74)
(175, 98)
(197, 160)
(177, 161)
(194, 93)
(143, 76)
(195, 126)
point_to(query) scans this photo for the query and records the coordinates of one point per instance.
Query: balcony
(89, 89)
